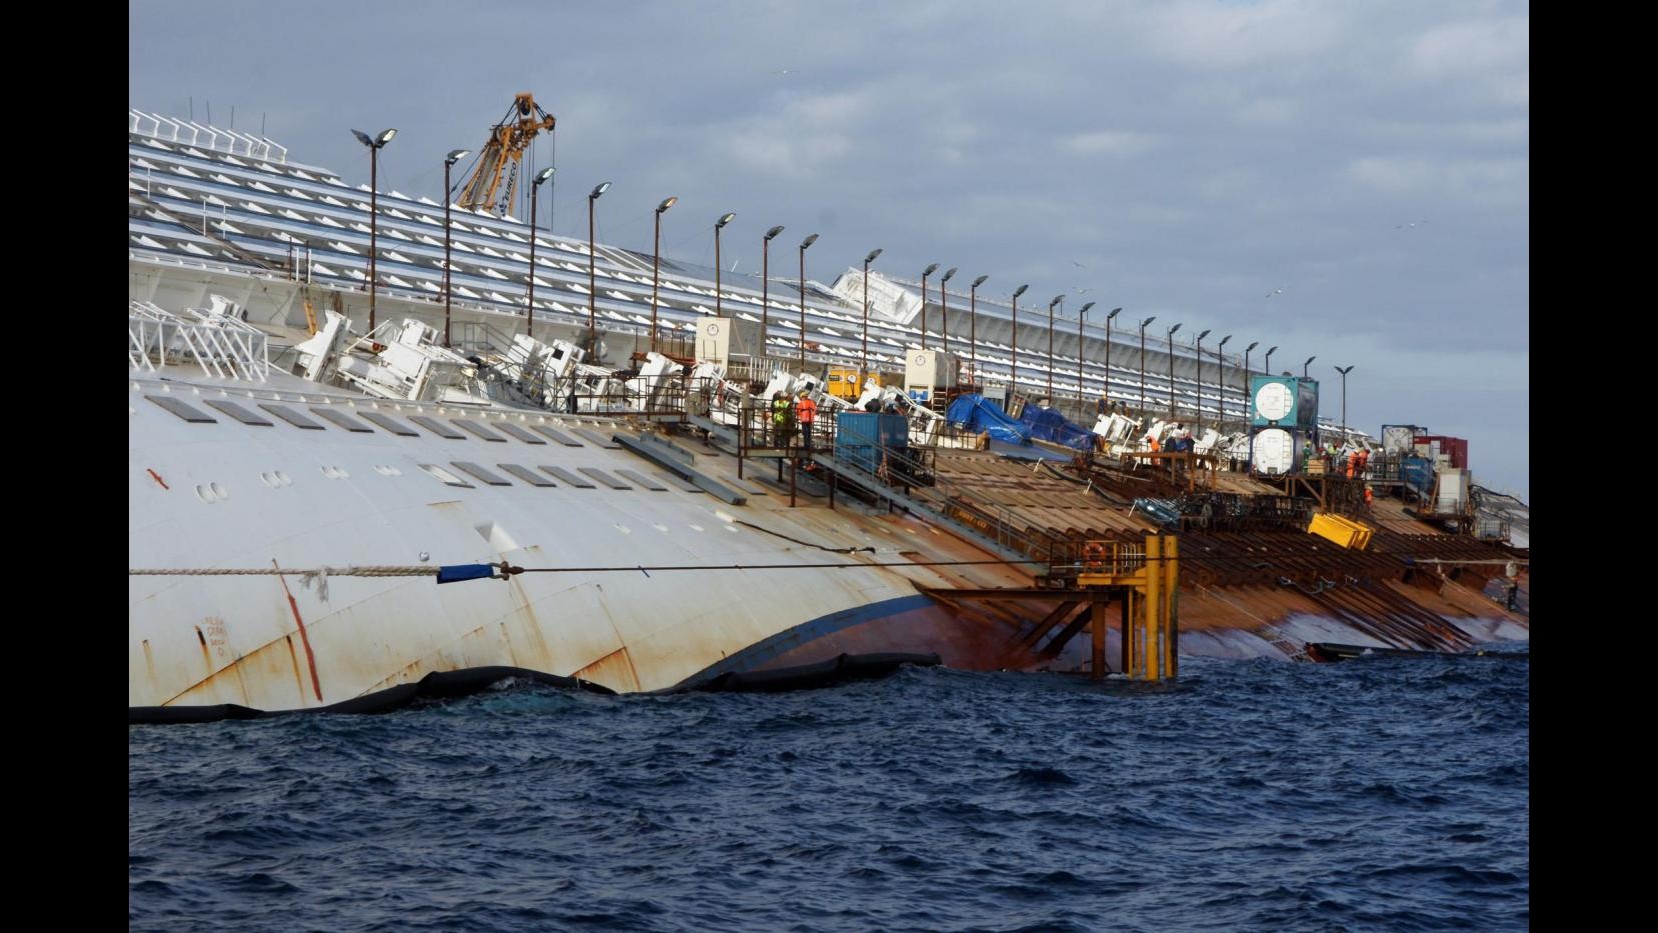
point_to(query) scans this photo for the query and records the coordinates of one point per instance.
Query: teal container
(860, 437)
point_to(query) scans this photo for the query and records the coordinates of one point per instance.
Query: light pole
(1107, 390)
(1305, 365)
(803, 244)
(863, 370)
(448, 195)
(1143, 363)
(592, 292)
(374, 146)
(1266, 365)
(924, 273)
(1220, 381)
(1246, 378)
(718, 226)
(973, 329)
(656, 263)
(1171, 370)
(535, 198)
(1199, 418)
(1057, 299)
(944, 308)
(1080, 315)
(1344, 373)
(1013, 369)
(765, 281)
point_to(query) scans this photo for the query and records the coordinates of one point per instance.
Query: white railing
(191, 133)
(220, 344)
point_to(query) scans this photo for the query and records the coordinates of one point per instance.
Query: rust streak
(157, 477)
(305, 639)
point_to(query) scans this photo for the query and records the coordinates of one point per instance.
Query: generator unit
(929, 373)
(714, 341)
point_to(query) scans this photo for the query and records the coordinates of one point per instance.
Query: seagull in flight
(1276, 291)
(784, 72)
(1403, 226)
(1078, 264)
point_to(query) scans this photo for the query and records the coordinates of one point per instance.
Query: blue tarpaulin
(1049, 425)
(977, 413)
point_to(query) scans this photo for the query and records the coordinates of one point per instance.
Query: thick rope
(368, 571)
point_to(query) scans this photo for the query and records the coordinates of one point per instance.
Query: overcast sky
(1178, 159)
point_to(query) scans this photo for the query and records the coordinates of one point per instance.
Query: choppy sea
(1378, 794)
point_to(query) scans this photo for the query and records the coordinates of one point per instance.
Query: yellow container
(1342, 531)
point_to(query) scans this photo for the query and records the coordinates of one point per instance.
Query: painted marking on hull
(304, 639)
(157, 477)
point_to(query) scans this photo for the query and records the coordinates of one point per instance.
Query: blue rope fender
(455, 573)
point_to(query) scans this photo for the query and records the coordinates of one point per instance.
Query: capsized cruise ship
(299, 478)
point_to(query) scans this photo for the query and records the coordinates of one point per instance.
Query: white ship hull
(207, 497)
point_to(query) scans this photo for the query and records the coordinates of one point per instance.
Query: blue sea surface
(1377, 794)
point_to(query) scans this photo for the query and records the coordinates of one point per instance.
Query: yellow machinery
(485, 189)
(1342, 531)
(1146, 578)
(843, 382)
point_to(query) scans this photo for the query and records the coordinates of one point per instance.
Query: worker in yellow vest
(782, 419)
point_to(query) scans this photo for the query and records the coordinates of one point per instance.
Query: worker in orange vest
(1151, 441)
(1368, 497)
(806, 414)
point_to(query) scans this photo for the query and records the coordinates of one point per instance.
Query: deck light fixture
(803, 245)
(1058, 299)
(1013, 366)
(656, 263)
(863, 370)
(1344, 373)
(973, 328)
(718, 226)
(535, 199)
(1106, 391)
(924, 273)
(765, 281)
(1080, 316)
(1171, 370)
(592, 292)
(944, 307)
(1199, 417)
(374, 146)
(448, 196)
(1143, 363)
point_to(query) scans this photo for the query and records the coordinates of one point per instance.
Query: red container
(1454, 447)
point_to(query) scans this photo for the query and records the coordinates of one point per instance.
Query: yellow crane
(485, 189)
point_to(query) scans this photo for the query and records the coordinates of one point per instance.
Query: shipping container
(862, 437)
(1454, 447)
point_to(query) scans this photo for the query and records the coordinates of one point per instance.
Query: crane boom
(485, 189)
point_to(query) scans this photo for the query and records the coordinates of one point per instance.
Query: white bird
(1275, 292)
(782, 72)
